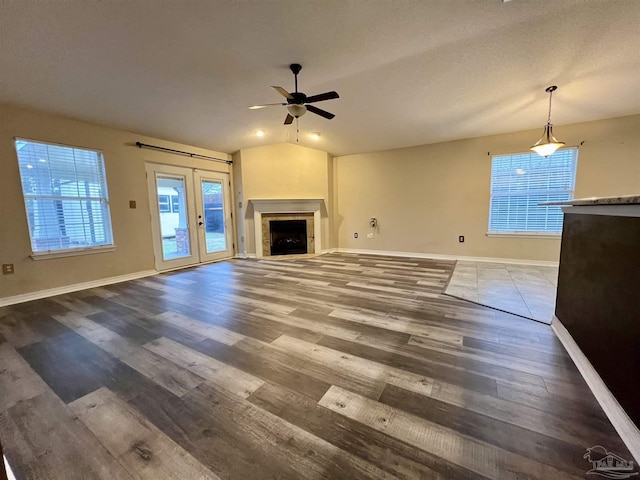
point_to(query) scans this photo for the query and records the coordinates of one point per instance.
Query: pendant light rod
(550, 91)
(548, 143)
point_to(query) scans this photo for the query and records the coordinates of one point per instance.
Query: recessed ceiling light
(260, 133)
(315, 135)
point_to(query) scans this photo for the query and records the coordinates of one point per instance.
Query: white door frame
(196, 233)
(223, 178)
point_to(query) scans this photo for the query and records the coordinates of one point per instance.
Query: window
(175, 203)
(65, 194)
(163, 203)
(520, 182)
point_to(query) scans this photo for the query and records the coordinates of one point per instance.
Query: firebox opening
(288, 236)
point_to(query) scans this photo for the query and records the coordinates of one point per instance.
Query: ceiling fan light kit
(548, 143)
(297, 102)
(296, 110)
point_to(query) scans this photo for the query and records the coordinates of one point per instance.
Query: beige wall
(281, 171)
(126, 181)
(424, 197)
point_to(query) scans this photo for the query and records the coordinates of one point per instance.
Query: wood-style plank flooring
(333, 367)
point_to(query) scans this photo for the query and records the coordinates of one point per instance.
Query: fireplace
(288, 237)
(287, 233)
(302, 210)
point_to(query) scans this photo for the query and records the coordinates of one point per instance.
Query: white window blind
(65, 194)
(520, 182)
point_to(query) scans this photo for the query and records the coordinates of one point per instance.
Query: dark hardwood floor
(334, 367)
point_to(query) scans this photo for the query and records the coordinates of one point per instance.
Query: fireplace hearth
(288, 237)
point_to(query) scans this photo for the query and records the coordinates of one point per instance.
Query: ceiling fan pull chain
(297, 131)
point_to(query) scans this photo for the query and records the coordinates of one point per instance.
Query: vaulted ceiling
(408, 72)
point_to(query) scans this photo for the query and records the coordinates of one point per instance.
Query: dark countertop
(621, 200)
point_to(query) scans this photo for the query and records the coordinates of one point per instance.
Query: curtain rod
(180, 152)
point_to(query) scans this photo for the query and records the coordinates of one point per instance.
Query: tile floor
(528, 291)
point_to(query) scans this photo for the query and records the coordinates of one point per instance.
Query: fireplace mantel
(286, 205)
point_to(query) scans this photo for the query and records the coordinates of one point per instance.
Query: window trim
(523, 235)
(72, 252)
(526, 234)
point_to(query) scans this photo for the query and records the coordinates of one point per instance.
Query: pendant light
(548, 143)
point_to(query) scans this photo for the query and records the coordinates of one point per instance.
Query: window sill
(72, 252)
(523, 235)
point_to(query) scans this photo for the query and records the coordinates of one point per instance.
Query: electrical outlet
(7, 269)
(369, 236)
(355, 235)
(461, 238)
(132, 204)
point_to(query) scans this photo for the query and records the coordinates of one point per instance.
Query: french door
(190, 215)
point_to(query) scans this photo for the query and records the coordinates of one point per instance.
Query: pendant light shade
(547, 143)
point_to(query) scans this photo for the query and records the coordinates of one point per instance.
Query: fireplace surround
(267, 210)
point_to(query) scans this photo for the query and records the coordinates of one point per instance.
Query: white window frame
(175, 203)
(552, 194)
(102, 199)
(164, 203)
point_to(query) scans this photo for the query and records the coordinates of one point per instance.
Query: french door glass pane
(213, 207)
(173, 217)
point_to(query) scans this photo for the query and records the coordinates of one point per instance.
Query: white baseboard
(627, 430)
(51, 292)
(253, 255)
(10, 475)
(438, 256)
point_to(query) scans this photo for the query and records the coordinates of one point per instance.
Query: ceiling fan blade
(322, 96)
(319, 111)
(283, 92)
(288, 120)
(256, 107)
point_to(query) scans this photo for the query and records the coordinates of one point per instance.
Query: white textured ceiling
(409, 72)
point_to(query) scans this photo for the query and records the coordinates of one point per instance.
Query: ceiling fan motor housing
(298, 98)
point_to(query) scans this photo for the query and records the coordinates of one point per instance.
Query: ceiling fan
(298, 103)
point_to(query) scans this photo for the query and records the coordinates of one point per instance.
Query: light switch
(132, 204)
